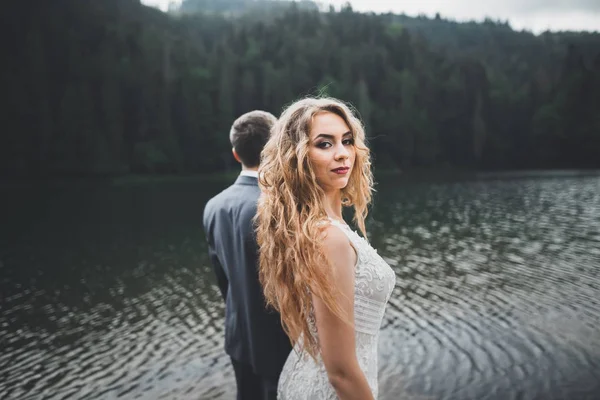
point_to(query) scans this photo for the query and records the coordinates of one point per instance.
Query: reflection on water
(107, 291)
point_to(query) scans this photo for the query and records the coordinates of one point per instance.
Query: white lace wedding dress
(302, 378)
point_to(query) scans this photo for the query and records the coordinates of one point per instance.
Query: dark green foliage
(113, 87)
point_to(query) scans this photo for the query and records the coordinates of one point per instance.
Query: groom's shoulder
(215, 205)
(220, 197)
(233, 195)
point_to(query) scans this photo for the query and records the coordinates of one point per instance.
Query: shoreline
(411, 176)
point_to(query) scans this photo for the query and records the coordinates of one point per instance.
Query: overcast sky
(534, 15)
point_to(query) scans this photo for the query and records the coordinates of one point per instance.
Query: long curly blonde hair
(290, 215)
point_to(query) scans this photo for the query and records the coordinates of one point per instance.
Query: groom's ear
(235, 155)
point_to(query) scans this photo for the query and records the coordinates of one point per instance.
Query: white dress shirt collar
(253, 174)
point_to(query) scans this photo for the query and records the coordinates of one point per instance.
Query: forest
(112, 87)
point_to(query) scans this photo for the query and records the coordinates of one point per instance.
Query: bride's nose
(342, 153)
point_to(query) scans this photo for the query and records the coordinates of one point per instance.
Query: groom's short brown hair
(249, 134)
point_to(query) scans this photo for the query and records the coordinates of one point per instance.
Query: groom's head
(249, 134)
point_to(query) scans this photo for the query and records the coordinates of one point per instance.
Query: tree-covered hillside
(113, 87)
(237, 8)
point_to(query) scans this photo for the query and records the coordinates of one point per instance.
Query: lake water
(106, 290)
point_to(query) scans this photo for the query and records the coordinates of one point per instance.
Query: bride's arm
(336, 337)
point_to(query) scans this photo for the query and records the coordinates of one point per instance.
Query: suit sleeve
(222, 281)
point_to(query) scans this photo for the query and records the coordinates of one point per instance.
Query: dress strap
(339, 223)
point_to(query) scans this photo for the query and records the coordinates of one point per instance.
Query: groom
(254, 338)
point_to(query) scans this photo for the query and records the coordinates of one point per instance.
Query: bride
(329, 285)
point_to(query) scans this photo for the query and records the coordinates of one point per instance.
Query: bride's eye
(323, 145)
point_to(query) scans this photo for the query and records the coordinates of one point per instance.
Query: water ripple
(497, 296)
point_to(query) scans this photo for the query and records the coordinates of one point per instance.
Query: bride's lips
(341, 170)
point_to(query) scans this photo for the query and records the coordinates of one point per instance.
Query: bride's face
(331, 151)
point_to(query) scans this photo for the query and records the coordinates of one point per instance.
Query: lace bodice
(304, 379)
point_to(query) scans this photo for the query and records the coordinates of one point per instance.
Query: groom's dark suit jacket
(253, 334)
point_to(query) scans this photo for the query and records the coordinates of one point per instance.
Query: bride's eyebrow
(328, 136)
